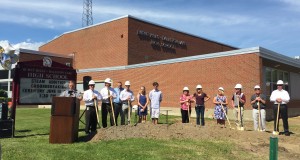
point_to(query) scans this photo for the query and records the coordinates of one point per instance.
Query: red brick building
(132, 49)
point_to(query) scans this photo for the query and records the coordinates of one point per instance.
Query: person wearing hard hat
(221, 107)
(155, 97)
(143, 101)
(89, 97)
(118, 102)
(108, 94)
(259, 99)
(238, 100)
(185, 103)
(127, 98)
(280, 97)
(200, 97)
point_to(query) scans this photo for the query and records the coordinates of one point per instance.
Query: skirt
(219, 113)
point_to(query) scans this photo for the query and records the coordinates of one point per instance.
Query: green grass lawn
(32, 142)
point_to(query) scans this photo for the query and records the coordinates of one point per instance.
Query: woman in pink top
(185, 102)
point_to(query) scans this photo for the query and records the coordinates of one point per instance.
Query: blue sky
(272, 24)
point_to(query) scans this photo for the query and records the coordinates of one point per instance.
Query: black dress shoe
(287, 133)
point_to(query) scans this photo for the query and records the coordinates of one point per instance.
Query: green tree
(3, 95)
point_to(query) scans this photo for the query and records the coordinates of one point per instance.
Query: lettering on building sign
(163, 42)
(39, 85)
(38, 90)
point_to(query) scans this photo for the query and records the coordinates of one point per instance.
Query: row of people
(279, 97)
(117, 102)
(122, 98)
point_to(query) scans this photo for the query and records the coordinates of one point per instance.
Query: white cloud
(293, 5)
(291, 2)
(24, 45)
(56, 14)
(34, 21)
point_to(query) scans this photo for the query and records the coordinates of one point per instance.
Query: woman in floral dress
(220, 100)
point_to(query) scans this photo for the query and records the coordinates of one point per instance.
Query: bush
(3, 93)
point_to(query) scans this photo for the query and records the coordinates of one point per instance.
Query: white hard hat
(91, 82)
(238, 86)
(107, 80)
(198, 86)
(127, 83)
(134, 107)
(221, 88)
(256, 87)
(279, 82)
(185, 88)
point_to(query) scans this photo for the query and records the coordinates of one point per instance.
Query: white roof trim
(271, 55)
(265, 53)
(129, 16)
(6, 80)
(45, 53)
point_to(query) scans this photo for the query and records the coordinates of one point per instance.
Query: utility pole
(87, 14)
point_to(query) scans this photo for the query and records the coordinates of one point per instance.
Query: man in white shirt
(155, 97)
(91, 98)
(108, 94)
(127, 98)
(281, 97)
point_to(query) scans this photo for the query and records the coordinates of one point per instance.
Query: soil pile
(251, 141)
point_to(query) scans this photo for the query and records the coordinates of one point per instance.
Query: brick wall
(95, 47)
(210, 73)
(116, 43)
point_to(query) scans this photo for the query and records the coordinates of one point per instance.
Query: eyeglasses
(92, 85)
(256, 89)
(280, 85)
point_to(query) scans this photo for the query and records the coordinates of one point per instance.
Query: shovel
(226, 116)
(97, 112)
(112, 107)
(259, 118)
(277, 121)
(240, 118)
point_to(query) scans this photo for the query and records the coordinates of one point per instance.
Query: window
(98, 86)
(272, 76)
(4, 86)
(3, 74)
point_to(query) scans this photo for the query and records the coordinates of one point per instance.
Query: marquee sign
(39, 83)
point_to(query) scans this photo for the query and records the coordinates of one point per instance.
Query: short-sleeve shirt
(155, 97)
(200, 99)
(236, 101)
(185, 105)
(254, 105)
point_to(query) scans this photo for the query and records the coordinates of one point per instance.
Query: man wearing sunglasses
(280, 97)
(258, 102)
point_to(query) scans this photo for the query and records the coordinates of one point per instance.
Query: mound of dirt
(251, 141)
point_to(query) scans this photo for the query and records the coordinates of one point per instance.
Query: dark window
(3, 74)
(3, 85)
(272, 76)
